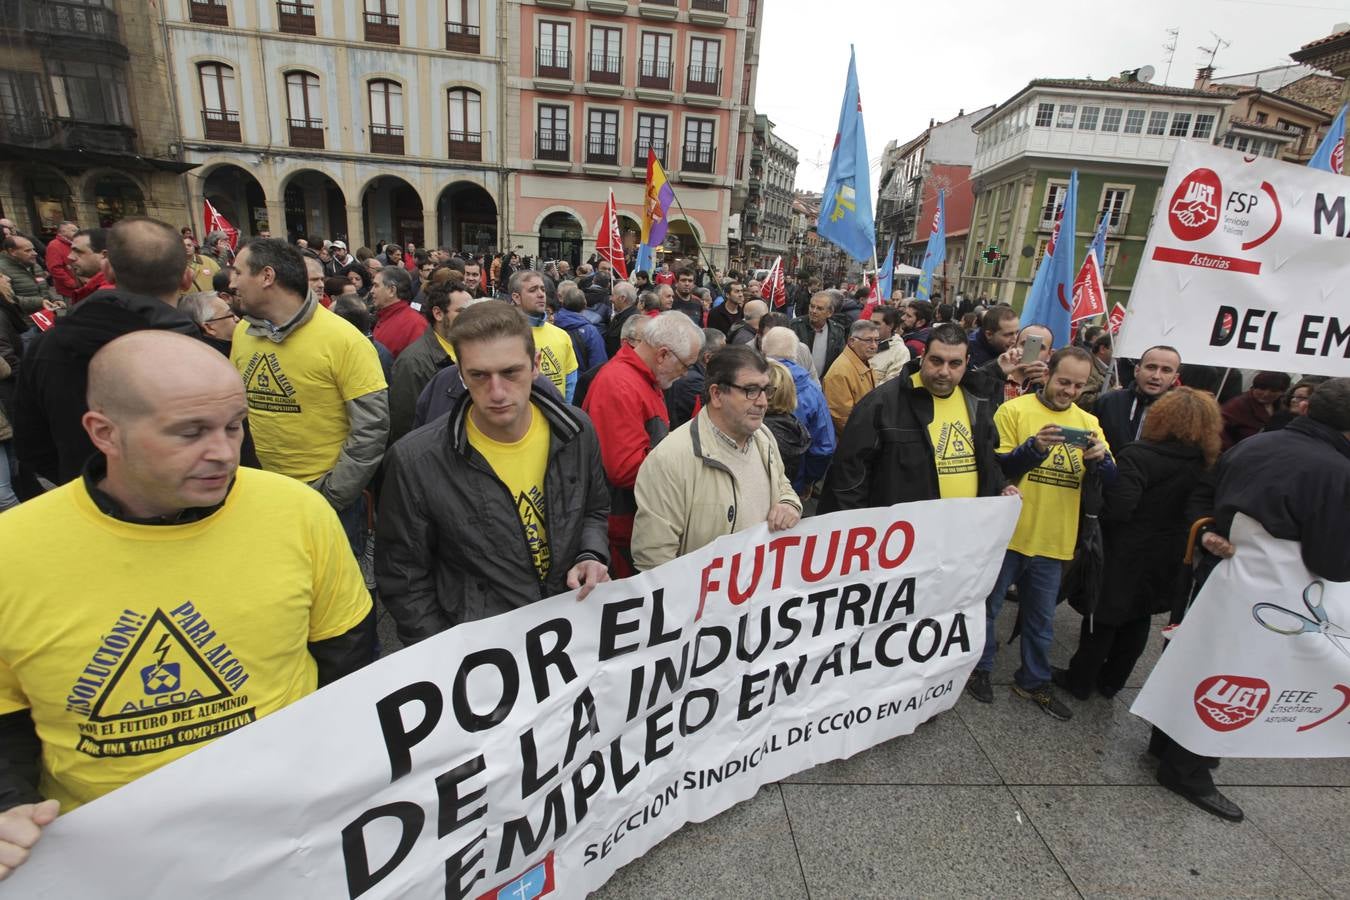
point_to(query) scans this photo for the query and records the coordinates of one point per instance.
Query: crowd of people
(191, 427)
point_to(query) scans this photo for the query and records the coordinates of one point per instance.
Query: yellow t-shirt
(953, 445)
(521, 467)
(1048, 525)
(557, 358)
(297, 391)
(132, 645)
(448, 347)
(204, 270)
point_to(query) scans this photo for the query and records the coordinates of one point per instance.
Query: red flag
(774, 289)
(43, 319)
(608, 243)
(1089, 298)
(216, 222)
(1116, 319)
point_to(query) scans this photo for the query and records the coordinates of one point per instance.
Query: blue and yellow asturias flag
(846, 208)
(654, 209)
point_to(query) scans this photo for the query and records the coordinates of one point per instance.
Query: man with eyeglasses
(627, 403)
(213, 316)
(851, 377)
(720, 472)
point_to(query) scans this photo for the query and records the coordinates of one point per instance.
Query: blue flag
(936, 251)
(1330, 155)
(1050, 300)
(644, 262)
(886, 275)
(846, 207)
(1099, 240)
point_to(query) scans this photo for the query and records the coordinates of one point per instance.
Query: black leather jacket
(451, 545)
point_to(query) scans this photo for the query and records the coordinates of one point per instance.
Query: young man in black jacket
(928, 434)
(498, 505)
(1121, 412)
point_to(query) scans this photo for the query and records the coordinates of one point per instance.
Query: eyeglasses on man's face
(752, 391)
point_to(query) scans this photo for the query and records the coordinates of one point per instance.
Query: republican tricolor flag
(774, 289)
(608, 243)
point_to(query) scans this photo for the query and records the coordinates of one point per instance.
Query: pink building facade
(592, 85)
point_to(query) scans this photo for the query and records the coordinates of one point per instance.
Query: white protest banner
(1261, 664)
(536, 753)
(1247, 265)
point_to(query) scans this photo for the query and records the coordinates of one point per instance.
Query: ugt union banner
(535, 753)
(1261, 664)
(1246, 265)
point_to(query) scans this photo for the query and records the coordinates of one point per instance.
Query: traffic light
(991, 255)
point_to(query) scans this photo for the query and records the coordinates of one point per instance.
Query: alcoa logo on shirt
(1228, 702)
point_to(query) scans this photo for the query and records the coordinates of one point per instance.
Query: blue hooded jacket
(814, 413)
(586, 339)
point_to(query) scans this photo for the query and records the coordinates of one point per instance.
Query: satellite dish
(1028, 252)
(1146, 74)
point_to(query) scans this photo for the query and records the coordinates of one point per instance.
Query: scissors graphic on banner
(1287, 621)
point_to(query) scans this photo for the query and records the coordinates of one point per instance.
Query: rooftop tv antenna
(1219, 44)
(1170, 48)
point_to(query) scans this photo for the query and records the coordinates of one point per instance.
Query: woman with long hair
(1144, 530)
(792, 437)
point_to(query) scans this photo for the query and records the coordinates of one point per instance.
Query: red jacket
(97, 283)
(629, 411)
(398, 325)
(58, 252)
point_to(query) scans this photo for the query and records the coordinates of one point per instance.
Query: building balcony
(295, 17)
(221, 125)
(306, 133)
(708, 12)
(602, 149)
(605, 68)
(553, 145)
(654, 73)
(556, 4)
(47, 19)
(703, 80)
(46, 133)
(466, 145)
(382, 28)
(555, 63)
(608, 7)
(209, 12)
(658, 9)
(462, 38)
(386, 139)
(1117, 223)
(698, 158)
(640, 155)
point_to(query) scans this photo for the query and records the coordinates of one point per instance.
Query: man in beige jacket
(718, 473)
(851, 377)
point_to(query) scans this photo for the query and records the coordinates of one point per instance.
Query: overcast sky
(918, 61)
